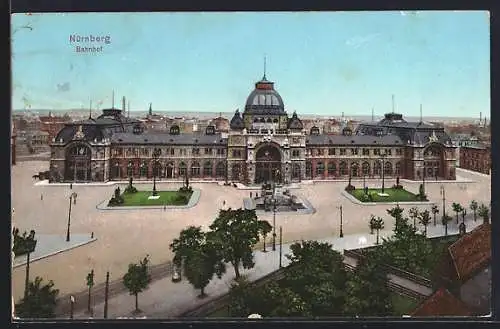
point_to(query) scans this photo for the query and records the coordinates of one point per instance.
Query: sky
(322, 63)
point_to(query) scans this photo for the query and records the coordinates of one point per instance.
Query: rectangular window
(342, 151)
(366, 152)
(196, 151)
(388, 151)
(172, 151)
(331, 151)
(208, 151)
(399, 152)
(295, 153)
(354, 151)
(319, 151)
(376, 152)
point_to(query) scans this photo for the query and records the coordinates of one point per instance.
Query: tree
(414, 214)
(397, 214)
(484, 212)
(137, 279)
(367, 292)
(264, 228)
(445, 220)
(474, 206)
(40, 301)
(378, 224)
(457, 208)
(23, 244)
(372, 223)
(424, 218)
(90, 284)
(200, 266)
(317, 274)
(435, 211)
(234, 232)
(189, 239)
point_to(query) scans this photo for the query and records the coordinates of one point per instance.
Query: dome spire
(264, 78)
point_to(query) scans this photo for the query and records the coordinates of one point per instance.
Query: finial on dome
(264, 78)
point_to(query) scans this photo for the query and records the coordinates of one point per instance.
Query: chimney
(123, 104)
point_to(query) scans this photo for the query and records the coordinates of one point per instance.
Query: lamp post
(71, 197)
(281, 245)
(423, 177)
(72, 304)
(443, 194)
(30, 243)
(382, 157)
(274, 223)
(341, 230)
(156, 156)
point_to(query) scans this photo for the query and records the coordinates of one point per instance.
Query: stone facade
(476, 158)
(263, 143)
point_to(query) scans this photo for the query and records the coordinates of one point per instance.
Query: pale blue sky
(324, 63)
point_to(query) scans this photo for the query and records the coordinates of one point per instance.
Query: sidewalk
(165, 299)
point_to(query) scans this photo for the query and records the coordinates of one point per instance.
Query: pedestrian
(223, 202)
(164, 207)
(70, 186)
(41, 196)
(250, 195)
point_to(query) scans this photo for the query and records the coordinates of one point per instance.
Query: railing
(391, 269)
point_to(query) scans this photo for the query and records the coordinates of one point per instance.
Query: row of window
(355, 170)
(147, 152)
(169, 170)
(355, 151)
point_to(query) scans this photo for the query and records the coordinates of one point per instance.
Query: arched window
(366, 168)
(308, 169)
(220, 169)
(296, 170)
(207, 169)
(195, 169)
(320, 169)
(377, 168)
(354, 169)
(343, 168)
(130, 169)
(115, 169)
(182, 169)
(332, 169)
(143, 169)
(157, 168)
(235, 173)
(388, 169)
(398, 168)
(269, 120)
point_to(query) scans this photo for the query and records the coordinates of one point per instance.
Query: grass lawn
(167, 198)
(220, 313)
(395, 195)
(402, 304)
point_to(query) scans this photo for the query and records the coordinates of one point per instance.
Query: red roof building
(442, 303)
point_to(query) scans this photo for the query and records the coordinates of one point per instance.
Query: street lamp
(382, 157)
(71, 198)
(443, 194)
(156, 156)
(341, 231)
(72, 302)
(274, 222)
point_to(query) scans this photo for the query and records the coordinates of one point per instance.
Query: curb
(356, 201)
(55, 253)
(193, 201)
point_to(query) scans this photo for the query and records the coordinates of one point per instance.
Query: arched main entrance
(78, 163)
(434, 161)
(267, 164)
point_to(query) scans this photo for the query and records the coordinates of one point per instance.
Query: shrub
(181, 199)
(350, 188)
(366, 198)
(115, 201)
(397, 187)
(130, 189)
(185, 189)
(370, 197)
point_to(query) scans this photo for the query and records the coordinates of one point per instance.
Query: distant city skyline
(322, 63)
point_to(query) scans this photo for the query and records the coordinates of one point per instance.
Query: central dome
(264, 99)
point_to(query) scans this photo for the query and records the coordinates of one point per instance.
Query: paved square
(127, 236)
